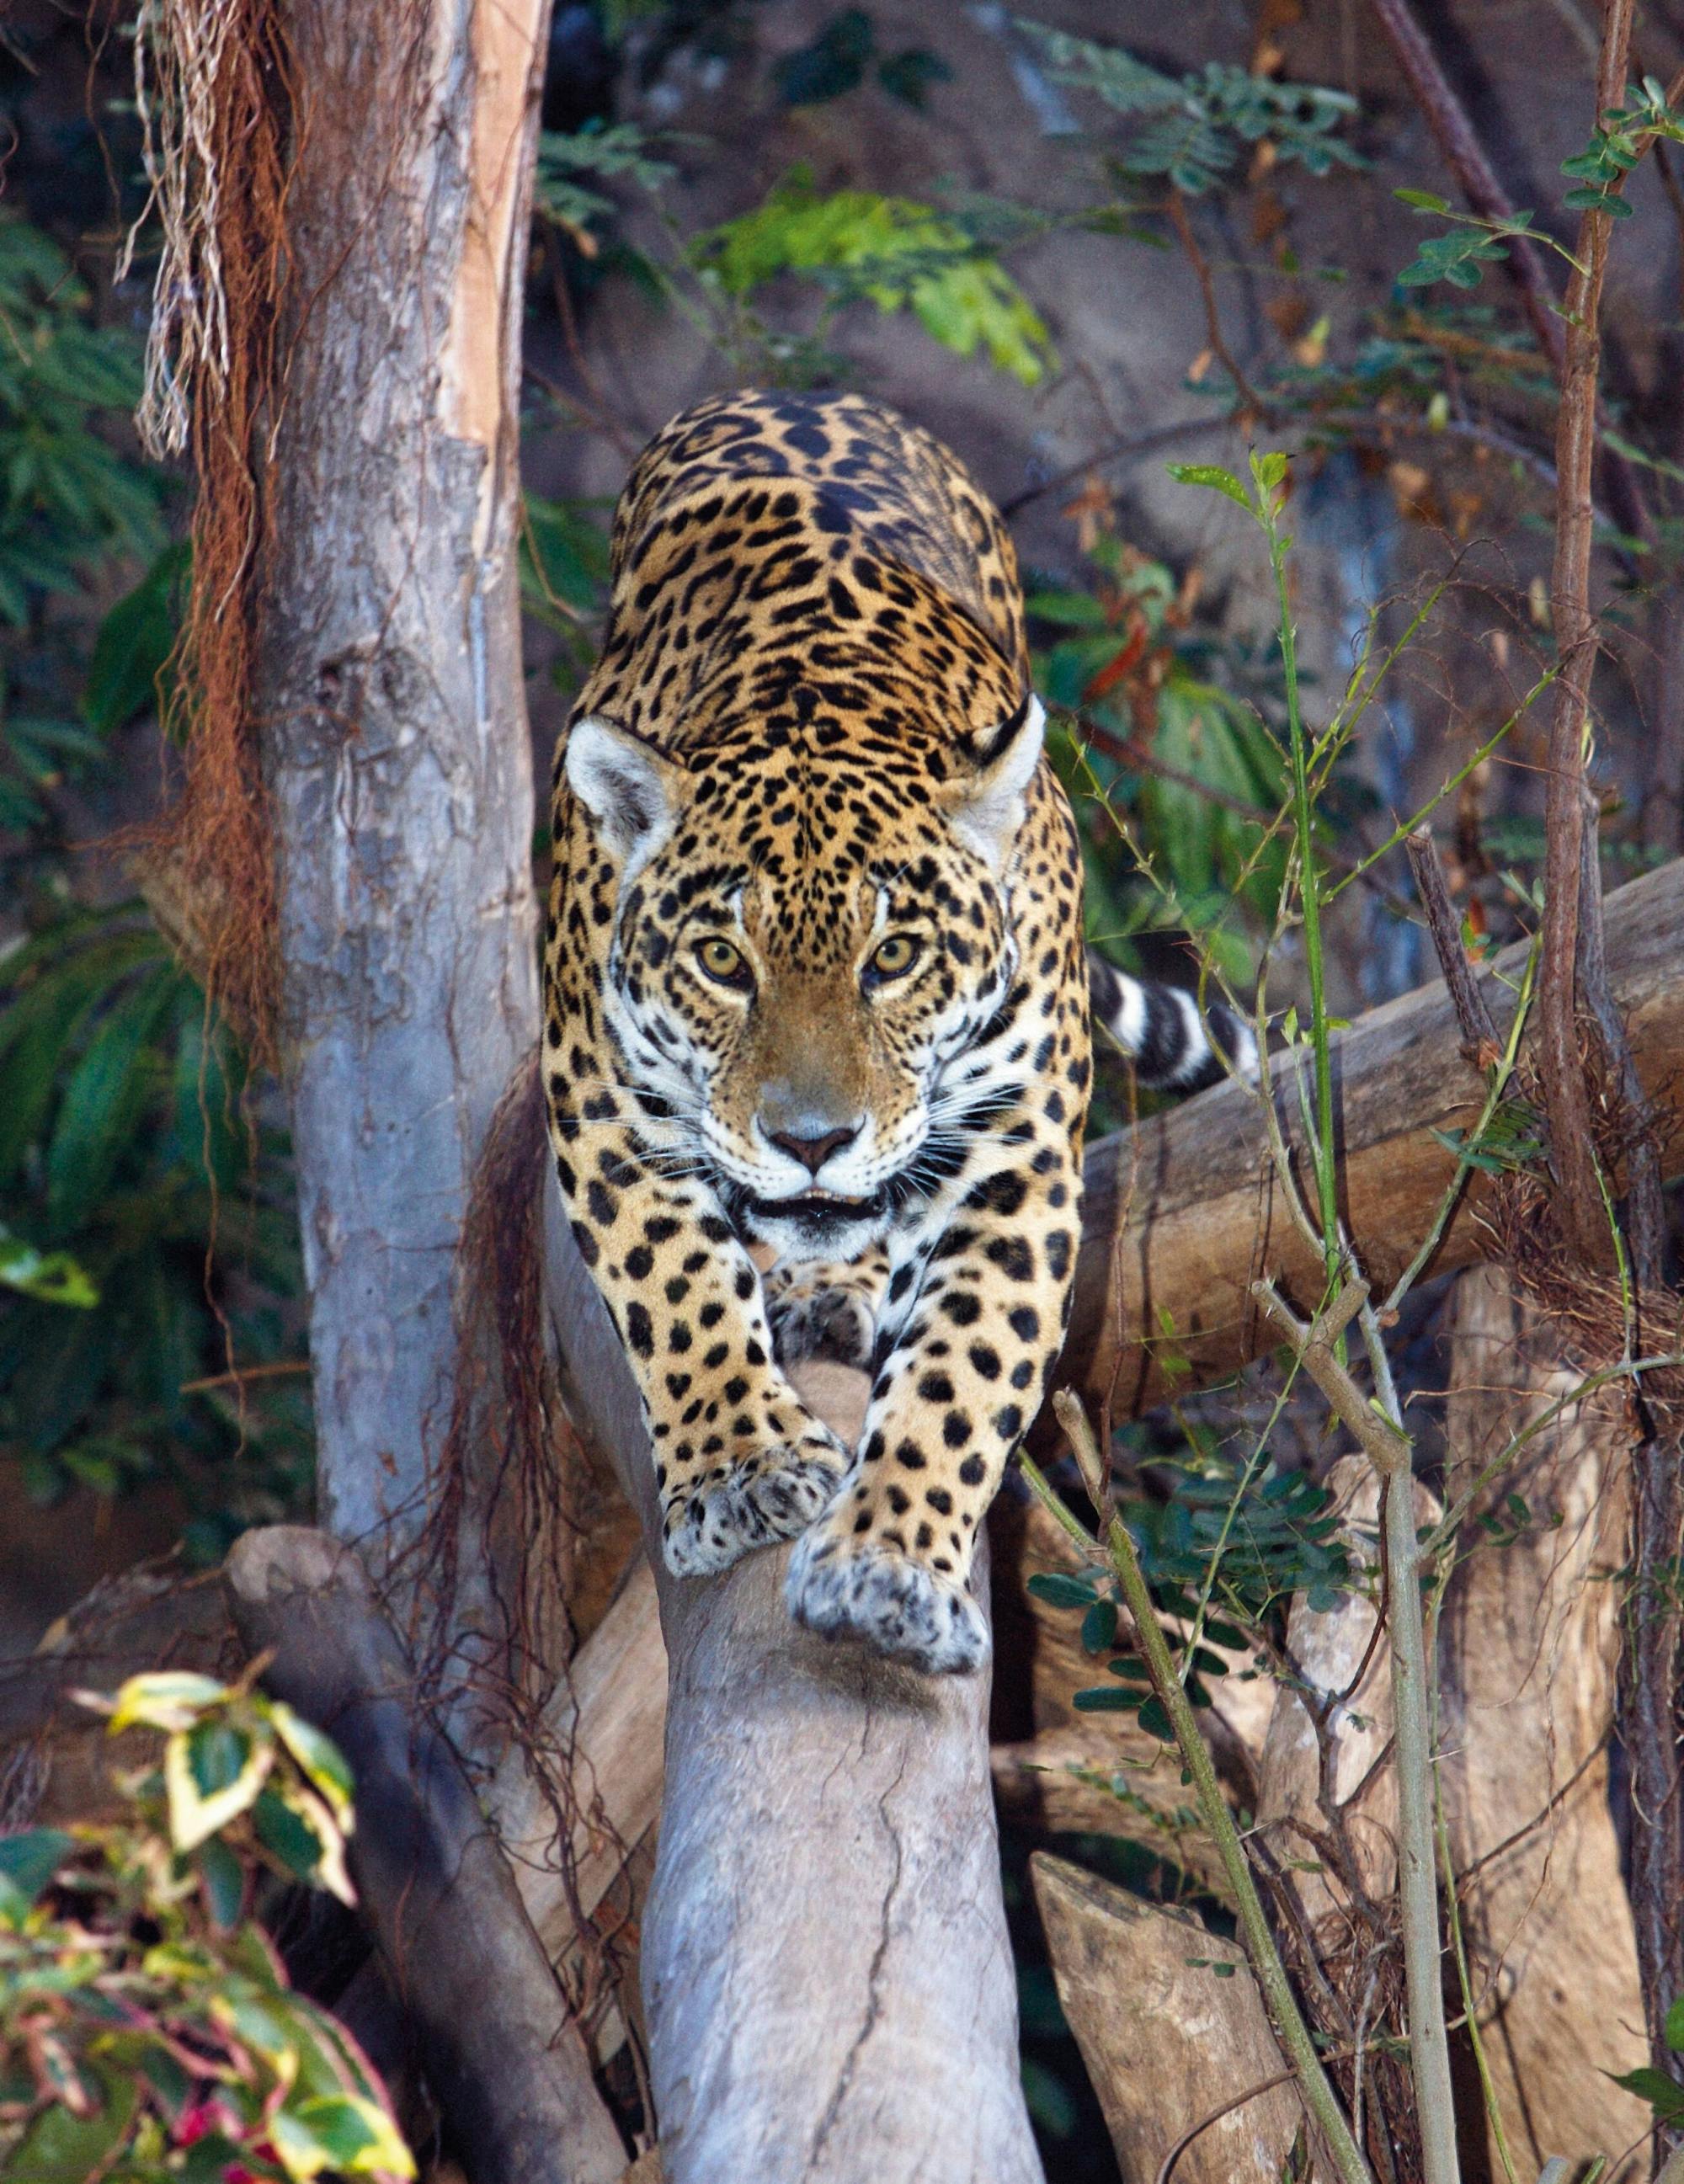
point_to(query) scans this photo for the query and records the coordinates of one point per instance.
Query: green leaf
(1673, 2031)
(27, 1862)
(1059, 1590)
(833, 63)
(225, 1882)
(340, 2132)
(164, 1698)
(287, 1836)
(62, 2148)
(102, 1101)
(1663, 2094)
(1155, 1721)
(1214, 479)
(319, 1757)
(1099, 1627)
(1422, 200)
(909, 75)
(134, 643)
(212, 1774)
(49, 1277)
(1105, 1698)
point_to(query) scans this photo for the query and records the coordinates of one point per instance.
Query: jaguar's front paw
(820, 1317)
(771, 1495)
(842, 1587)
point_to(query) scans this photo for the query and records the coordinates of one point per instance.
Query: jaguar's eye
(894, 956)
(723, 963)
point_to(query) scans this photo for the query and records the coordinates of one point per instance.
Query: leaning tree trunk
(827, 1979)
(391, 694)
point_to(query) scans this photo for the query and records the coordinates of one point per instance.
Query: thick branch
(1182, 1213)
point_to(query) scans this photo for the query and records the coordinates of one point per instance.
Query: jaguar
(817, 1003)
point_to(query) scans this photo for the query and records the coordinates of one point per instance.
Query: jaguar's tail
(1172, 1043)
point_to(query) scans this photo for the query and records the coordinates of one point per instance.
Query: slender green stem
(1327, 1185)
(1284, 2013)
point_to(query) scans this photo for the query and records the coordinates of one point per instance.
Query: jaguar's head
(805, 945)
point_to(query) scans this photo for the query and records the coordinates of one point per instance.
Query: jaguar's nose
(810, 1143)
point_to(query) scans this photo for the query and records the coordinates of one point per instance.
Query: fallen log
(1171, 2029)
(506, 2064)
(1183, 1212)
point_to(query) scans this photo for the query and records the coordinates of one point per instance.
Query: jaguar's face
(796, 967)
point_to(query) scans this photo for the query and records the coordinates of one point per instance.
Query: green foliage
(898, 254)
(617, 152)
(1245, 1535)
(71, 506)
(1617, 146)
(147, 2028)
(835, 63)
(564, 577)
(1461, 257)
(1616, 149)
(1125, 657)
(1663, 2094)
(1195, 127)
(126, 1163)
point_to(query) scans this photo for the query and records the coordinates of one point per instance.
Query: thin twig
(1215, 338)
(1480, 1043)
(1118, 451)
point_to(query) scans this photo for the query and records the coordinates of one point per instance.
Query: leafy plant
(1195, 126)
(894, 252)
(126, 1166)
(1243, 1536)
(835, 63)
(611, 152)
(71, 505)
(1125, 658)
(146, 2029)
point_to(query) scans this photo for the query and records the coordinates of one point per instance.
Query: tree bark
(1182, 1212)
(1167, 2039)
(1530, 1655)
(392, 696)
(827, 1980)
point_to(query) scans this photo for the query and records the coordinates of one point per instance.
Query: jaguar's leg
(739, 1460)
(955, 1387)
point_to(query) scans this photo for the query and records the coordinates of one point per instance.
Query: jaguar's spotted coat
(814, 980)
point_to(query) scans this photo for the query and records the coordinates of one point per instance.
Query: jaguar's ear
(984, 801)
(630, 791)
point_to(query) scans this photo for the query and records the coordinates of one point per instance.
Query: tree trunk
(392, 696)
(1530, 1654)
(827, 1980)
